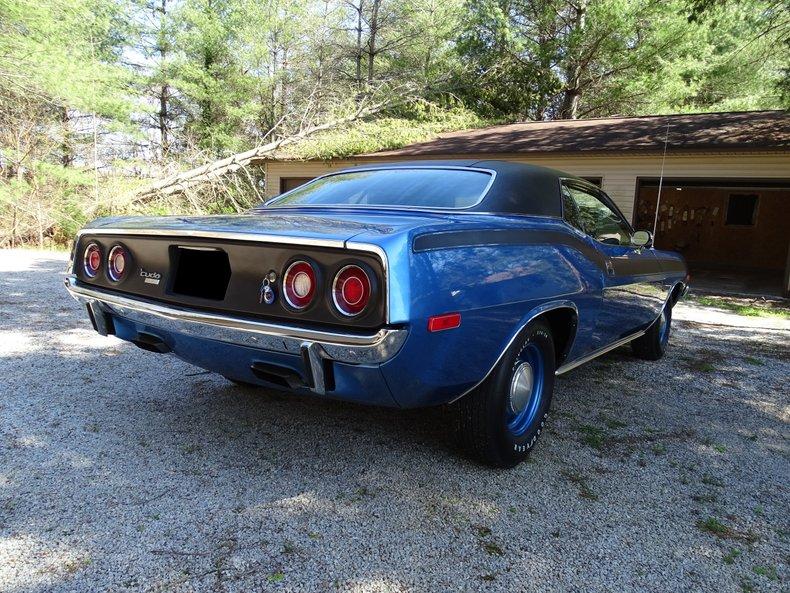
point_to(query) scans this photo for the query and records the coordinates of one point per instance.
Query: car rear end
(300, 312)
(389, 286)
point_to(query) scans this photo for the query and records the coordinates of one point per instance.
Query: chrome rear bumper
(318, 345)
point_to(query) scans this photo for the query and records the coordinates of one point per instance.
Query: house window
(289, 183)
(742, 210)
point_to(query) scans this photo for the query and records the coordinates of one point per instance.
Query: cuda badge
(150, 277)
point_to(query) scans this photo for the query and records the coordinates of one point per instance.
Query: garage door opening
(734, 234)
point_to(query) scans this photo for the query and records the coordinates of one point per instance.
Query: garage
(733, 233)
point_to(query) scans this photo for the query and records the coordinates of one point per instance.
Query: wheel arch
(676, 293)
(563, 319)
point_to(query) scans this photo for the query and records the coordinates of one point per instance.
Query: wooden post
(786, 287)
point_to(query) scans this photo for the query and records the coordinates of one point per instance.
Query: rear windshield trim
(492, 174)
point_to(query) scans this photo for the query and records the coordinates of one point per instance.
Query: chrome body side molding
(608, 348)
(595, 354)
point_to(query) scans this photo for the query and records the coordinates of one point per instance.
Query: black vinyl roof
(518, 188)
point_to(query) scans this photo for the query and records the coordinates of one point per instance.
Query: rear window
(401, 187)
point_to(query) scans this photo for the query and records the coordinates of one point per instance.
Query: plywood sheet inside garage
(692, 220)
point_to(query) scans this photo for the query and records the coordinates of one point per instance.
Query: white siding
(619, 172)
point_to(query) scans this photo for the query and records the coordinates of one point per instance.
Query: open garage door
(732, 232)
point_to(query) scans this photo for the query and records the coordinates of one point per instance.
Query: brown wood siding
(692, 222)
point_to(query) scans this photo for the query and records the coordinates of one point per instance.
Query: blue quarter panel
(496, 288)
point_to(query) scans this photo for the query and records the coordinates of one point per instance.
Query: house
(725, 191)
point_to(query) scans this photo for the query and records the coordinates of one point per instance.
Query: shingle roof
(736, 131)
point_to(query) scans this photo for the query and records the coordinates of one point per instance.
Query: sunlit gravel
(122, 470)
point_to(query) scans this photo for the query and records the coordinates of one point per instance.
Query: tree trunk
(212, 172)
(164, 92)
(573, 71)
(67, 145)
(164, 117)
(358, 56)
(374, 29)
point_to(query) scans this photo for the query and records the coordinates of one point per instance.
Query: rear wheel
(653, 344)
(500, 421)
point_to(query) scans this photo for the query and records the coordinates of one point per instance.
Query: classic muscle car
(410, 284)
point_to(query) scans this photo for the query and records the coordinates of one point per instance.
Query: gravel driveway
(122, 470)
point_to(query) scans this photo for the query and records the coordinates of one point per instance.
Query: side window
(590, 215)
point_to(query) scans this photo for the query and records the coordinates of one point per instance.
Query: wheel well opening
(676, 292)
(563, 324)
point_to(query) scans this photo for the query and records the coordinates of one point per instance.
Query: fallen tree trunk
(213, 171)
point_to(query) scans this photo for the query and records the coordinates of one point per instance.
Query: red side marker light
(439, 323)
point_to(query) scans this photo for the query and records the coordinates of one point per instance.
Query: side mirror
(642, 239)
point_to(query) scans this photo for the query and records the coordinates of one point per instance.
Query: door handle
(609, 267)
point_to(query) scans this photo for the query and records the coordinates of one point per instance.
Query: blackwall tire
(500, 421)
(653, 344)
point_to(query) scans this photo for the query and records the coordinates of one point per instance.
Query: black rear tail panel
(230, 276)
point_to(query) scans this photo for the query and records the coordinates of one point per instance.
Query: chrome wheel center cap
(521, 387)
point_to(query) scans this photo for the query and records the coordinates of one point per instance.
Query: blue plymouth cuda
(409, 284)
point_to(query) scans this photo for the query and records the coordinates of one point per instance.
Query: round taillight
(351, 290)
(299, 284)
(117, 263)
(92, 260)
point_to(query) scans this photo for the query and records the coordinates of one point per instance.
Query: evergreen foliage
(98, 96)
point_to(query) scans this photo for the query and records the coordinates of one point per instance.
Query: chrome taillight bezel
(294, 301)
(367, 294)
(87, 269)
(112, 272)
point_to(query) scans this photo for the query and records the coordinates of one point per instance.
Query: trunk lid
(329, 227)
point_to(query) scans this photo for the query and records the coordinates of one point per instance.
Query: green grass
(493, 549)
(581, 483)
(276, 577)
(748, 310)
(704, 367)
(593, 436)
(712, 481)
(729, 557)
(482, 531)
(769, 572)
(612, 423)
(715, 527)
(703, 498)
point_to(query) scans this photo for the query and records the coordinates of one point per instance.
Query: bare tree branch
(210, 172)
